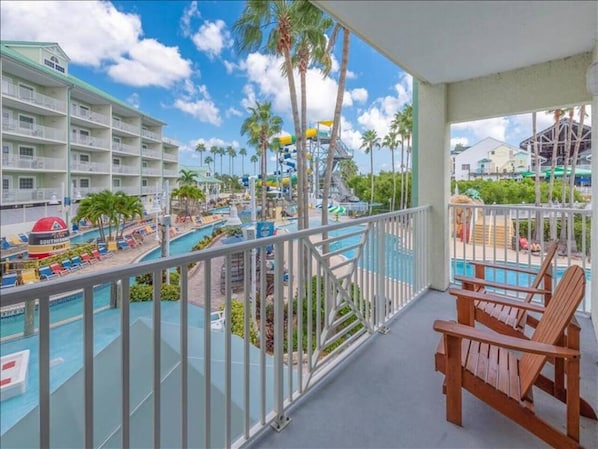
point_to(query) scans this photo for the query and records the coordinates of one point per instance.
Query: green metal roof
(6, 51)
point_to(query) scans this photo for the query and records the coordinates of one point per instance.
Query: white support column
(594, 251)
(433, 177)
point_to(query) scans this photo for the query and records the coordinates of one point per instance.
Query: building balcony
(87, 117)
(14, 162)
(90, 167)
(125, 169)
(170, 157)
(129, 190)
(351, 363)
(151, 135)
(126, 127)
(90, 142)
(32, 132)
(146, 171)
(125, 148)
(19, 196)
(170, 173)
(154, 154)
(34, 102)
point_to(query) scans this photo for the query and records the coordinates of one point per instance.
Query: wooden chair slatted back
(559, 312)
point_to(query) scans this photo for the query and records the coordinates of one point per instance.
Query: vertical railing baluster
(247, 324)
(88, 364)
(44, 372)
(157, 341)
(227, 353)
(125, 435)
(184, 286)
(207, 360)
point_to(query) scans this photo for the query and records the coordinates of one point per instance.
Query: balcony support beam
(594, 250)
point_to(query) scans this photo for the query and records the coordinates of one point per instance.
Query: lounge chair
(46, 273)
(5, 244)
(57, 269)
(29, 276)
(103, 250)
(487, 364)
(77, 262)
(69, 266)
(9, 280)
(96, 254)
(122, 244)
(86, 259)
(23, 238)
(504, 319)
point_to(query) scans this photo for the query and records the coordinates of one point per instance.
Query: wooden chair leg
(573, 402)
(453, 379)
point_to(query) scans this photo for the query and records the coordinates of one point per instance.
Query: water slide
(310, 133)
(344, 194)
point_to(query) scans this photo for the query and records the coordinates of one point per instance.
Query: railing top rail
(63, 285)
(518, 207)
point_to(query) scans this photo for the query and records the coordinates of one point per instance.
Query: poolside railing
(507, 234)
(309, 299)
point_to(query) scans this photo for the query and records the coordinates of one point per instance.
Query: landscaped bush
(237, 322)
(145, 292)
(72, 252)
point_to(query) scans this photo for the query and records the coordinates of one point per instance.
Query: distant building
(490, 158)
(63, 138)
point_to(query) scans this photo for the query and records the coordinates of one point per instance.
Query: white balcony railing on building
(324, 292)
(169, 157)
(32, 130)
(169, 172)
(10, 89)
(129, 190)
(90, 141)
(125, 148)
(125, 169)
(150, 135)
(493, 233)
(90, 166)
(123, 126)
(151, 153)
(35, 163)
(169, 141)
(151, 171)
(91, 116)
(147, 190)
(16, 196)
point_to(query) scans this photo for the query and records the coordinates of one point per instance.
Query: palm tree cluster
(295, 30)
(109, 210)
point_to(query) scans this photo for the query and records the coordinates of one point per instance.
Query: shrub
(237, 322)
(145, 292)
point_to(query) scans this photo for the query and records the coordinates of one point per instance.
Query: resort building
(491, 159)
(63, 138)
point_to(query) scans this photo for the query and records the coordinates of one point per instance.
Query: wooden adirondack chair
(502, 318)
(484, 363)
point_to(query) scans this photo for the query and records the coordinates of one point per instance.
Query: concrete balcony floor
(387, 395)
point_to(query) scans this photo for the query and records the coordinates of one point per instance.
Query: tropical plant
(348, 169)
(126, 208)
(391, 142)
(188, 195)
(260, 127)
(406, 131)
(369, 141)
(243, 153)
(200, 148)
(230, 151)
(254, 160)
(336, 122)
(208, 160)
(187, 177)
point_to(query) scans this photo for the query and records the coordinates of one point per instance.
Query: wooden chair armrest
(504, 341)
(500, 285)
(498, 266)
(495, 299)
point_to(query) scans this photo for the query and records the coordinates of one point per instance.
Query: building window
(54, 63)
(116, 183)
(26, 122)
(116, 140)
(26, 92)
(144, 183)
(84, 183)
(144, 164)
(26, 183)
(116, 161)
(5, 152)
(84, 158)
(83, 110)
(5, 183)
(465, 167)
(26, 152)
(116, 122)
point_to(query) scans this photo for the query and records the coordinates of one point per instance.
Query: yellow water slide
(310, 133)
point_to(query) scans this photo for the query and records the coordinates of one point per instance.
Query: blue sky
(175, 60)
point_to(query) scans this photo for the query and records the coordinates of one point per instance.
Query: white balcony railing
(15, 196)
(129, 190)
(36, 163)
(123, 126)
(90, 116)
(146, 190)
(151, 171)
(37, 131)
(90, 141)
(169, 157)
(125, 148)
(125, 169)
(11, 90)
(170, 173)
(90, 167)
(151, 153)
(324, 292)
(150, 135)
(493, 233)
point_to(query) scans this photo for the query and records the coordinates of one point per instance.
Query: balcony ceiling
(443, 42)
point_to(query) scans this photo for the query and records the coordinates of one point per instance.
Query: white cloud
(134, 100)
(351, 75)
(112, 41)
(230, 112)
(149, 63)
(459, 140)
(480, 129)
(195, 100)
(359, 95)
(212, 38)
(191, 12)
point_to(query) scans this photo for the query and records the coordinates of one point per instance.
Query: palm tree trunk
(303, 173)
(371, 177)
(264, 164)
(582, 113)
(538, 191)
(335, 125)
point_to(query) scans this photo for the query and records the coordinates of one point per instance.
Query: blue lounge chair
(122, 244)
(68, 265)
(23, 238)
(46, 273)
(5, 244)
(104, 251)
(78, 262)
(9, 280)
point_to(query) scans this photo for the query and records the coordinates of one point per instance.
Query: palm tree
(254, 160)
(208, 160)
(369, 141)
(582, 115)
(280, 19)
(231, 155)
(406, 131)
(187, 177)
(200, 148)
(214, 150)
(556, 133)
(336, 122)
(260, 127)
(126, 208)
(242, 153)
(391, 142)
(188, 194)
